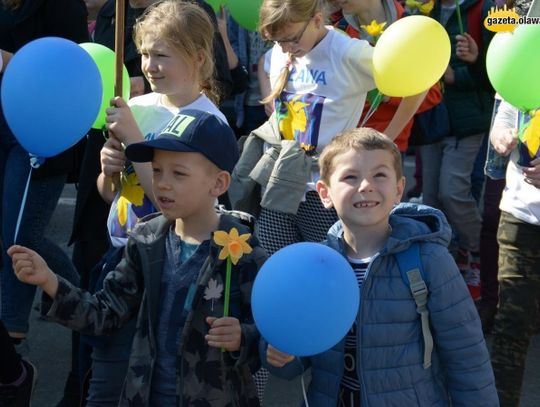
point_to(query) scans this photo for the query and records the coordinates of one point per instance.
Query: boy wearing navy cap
(172, 278)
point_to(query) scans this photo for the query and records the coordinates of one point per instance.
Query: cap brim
(144, 151)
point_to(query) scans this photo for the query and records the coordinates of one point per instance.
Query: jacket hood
(409, 222)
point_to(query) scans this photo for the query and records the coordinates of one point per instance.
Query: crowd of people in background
(228, 129)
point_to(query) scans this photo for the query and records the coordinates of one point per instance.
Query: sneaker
(20, 396)
(472, 277)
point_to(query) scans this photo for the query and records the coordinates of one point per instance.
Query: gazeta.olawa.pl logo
(506, 20)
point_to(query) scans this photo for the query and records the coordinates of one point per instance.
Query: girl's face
(300, 38)
(168, 72)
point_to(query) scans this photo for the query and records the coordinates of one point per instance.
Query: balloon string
(372, 108)
(23, 204)
(304, 390)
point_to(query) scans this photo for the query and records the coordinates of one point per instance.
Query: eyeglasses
(296, 40)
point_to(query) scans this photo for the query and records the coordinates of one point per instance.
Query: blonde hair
(362, 138)
(274, 16)
(187, 28)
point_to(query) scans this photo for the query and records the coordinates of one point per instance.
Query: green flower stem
(460, 21)
(227, 288)
(227, 291)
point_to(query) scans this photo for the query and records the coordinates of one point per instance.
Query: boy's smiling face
(363, 188)
(186, 185)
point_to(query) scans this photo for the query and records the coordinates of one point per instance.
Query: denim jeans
(43, 195)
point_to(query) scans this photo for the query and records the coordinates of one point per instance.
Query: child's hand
(30, 268)
(532, 173)
(224, 333)
(466, 48)
(112, 157)
(504, 140)
(121, 123)
(277, 358)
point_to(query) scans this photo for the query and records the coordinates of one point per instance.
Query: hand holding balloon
(121, 123)
(112, 157)
(503, 140)
(277, 358)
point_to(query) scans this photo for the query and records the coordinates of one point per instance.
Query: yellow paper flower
(374, 29)
(412, 4)
(426, 8)
(234, 245)
(531, 136)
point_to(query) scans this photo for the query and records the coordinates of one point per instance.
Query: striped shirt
(349, 391)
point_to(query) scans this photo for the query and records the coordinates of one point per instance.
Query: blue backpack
(410, 267)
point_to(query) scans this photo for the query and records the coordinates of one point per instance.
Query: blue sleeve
(287, 372)
(457, 334)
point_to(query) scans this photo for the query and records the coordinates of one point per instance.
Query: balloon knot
(35, 161)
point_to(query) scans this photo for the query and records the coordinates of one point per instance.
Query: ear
(221, 184)
(400, 189)
(200, 59)
(319, 20)
(324, 193)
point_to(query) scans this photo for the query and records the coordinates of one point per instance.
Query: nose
(365, 185)
(161, 182)
(288, 47)
(150, 64)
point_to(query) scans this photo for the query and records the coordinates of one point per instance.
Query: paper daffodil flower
(412, 4)
(426, 8)
(234, 245)
(531, 135)
(374, 29)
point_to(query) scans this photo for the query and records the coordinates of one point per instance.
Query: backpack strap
(410, 267)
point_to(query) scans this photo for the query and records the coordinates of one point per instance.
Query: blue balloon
(51, 94)
(305, 299)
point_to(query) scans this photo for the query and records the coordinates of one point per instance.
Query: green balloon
(513, 66)
(245, 13)
(105, 61)
(216, 4)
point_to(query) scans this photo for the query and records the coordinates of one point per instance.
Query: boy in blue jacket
(387, 358)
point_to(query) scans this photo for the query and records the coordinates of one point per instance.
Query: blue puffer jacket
(390, 340)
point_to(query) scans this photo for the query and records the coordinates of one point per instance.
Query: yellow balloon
(410, 56)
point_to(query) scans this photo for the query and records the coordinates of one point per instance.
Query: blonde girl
(319, 80)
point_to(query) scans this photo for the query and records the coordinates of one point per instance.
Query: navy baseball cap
(192, 131)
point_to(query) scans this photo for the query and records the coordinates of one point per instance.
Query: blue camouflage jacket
(205, 375)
